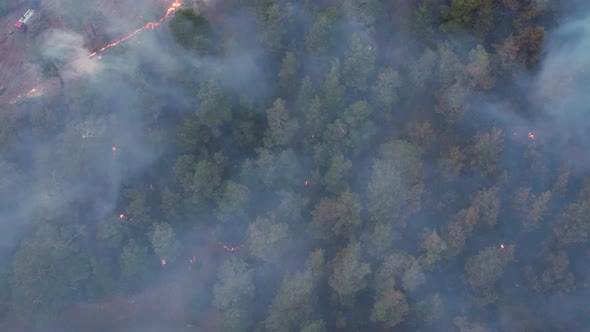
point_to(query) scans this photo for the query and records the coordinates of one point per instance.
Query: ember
(502, 246)
(163, 262)
(531, 135)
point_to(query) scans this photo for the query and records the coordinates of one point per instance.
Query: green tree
(274, 169)
(396, 183)
(48, 271)
(423, 24)
(207, 180)
(267, 239)
(422, 69)
(305, 95)
(359, 64)
(349, 274)
(430, 309)
(315, 119)
(234, 288)
(288, 72)
(378, 238)
(314, 326)
(336, 177)
(215, 108)
(433, 247)
(281, 126)
(486, 150)
(274, 21)
(385, 90)
(293, 304)
(363, 12)
(113, 232)
(163, 240)
(485, 269)
(134, 263)
(336, 217)
(232, 201)
(316, 264)
(390, 308)
(323, 33)
(358, 127)
(572, 226)
(530, 208)
(11, 122)
(479, 68)
(476, 15)
(191, 31)
(333, 87)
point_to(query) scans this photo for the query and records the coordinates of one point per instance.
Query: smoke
(67, 48)
(121, 98)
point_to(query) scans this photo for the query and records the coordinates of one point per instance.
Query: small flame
(231, 249)
(122, 216)
(306, 183)
(114, 149)
(150, 25)
(531, 135)
(163, 262)
(502, 246)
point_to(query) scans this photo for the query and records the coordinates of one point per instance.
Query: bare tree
(85, 129)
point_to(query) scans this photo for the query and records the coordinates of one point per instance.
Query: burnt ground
(165, 305)
(179, 302)
(19, 73)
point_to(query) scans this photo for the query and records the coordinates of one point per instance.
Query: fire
(114, 149)
(231, 249)
(122, 216)
(306, 183)
(501, 245)
(150, 25)
(531, 135)
(163, 262)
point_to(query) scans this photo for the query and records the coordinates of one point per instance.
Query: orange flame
(163, 262)
(502, 246)
(150, 25)
(531, 135)
(231, 249)
(122, 216)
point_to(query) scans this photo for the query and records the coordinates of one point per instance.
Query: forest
(326, 165)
